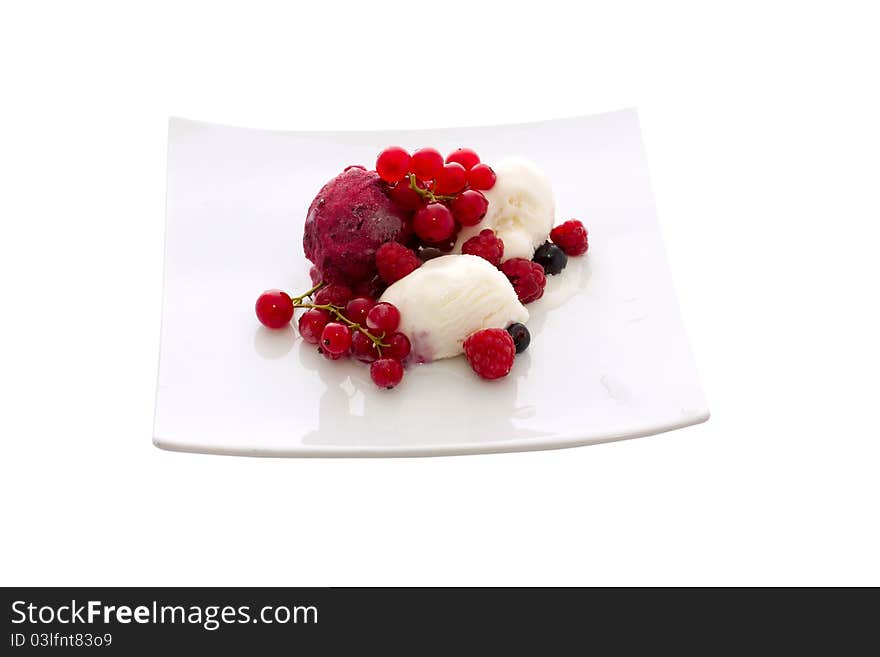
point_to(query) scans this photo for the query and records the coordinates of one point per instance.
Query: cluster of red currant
(443, 195)
(343, 325)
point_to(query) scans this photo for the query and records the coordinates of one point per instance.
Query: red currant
(356, 310)
(405, 197)
(386, 372)
(335, 338)
(398, 346)
(434, 223)
(451, 179)
(334, 294)
(312, 323)
(426, 163)
(330, 356)
(383, 317)
(274, 309)
(466, 157)
(392, 164)
(481, 177)
(363, 348)
(470, 207)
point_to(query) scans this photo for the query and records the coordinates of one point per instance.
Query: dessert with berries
(427, 257)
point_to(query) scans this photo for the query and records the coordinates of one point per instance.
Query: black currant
(429, 253)
(520, 335)
(551, 258)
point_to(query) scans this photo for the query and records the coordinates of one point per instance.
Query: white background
(761, 127)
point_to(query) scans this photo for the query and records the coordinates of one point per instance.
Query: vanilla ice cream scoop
(448, 298)
(521, 209)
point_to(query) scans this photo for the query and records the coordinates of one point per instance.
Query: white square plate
(611, 363)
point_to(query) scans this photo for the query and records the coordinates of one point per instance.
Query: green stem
(336, 311)
(427, 193)
(299, 299)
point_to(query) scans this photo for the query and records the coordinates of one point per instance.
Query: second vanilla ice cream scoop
(522, 209)
(445, 300)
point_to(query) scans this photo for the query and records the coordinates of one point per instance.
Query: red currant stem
(336, 311)
(427, 193)
(309, 293)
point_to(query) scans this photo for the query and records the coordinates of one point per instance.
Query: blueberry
(429, 253)
(520, 335)
(551, 258)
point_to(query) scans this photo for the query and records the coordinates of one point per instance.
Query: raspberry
(571, 237)
(394, 261)
(485, 245)
(527, 278)
(490, 352)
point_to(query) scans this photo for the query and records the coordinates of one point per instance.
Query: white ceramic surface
(611, 362)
